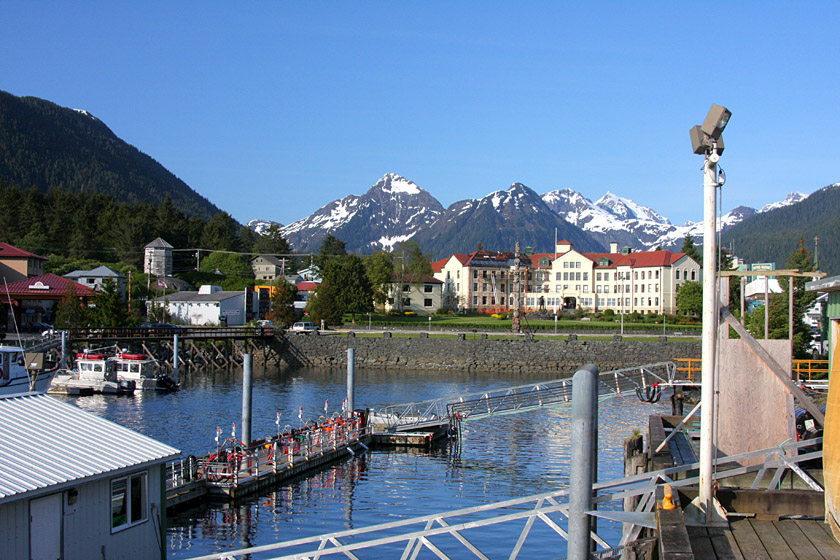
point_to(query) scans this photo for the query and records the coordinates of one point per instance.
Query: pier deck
(753, 538)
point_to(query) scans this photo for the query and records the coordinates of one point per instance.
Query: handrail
(550, 508)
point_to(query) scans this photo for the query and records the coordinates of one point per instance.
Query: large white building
(623, 281)
(210, 305)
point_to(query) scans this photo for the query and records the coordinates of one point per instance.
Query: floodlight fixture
(701, 143)
(716, 121)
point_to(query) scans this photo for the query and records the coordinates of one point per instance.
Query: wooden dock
(752, 538)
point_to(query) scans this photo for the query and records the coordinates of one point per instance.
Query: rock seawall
(480, 355)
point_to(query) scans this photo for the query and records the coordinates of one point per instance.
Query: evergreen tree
(70, 311)
(323, 305)
(355, 294)
(227, 264)
(690, 249)
(272, 242)
(283, 304)
(331, 248)
(221, 233)
(109, 310)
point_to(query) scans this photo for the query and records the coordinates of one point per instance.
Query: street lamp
(706, 141)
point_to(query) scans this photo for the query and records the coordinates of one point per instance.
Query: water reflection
(497, 458)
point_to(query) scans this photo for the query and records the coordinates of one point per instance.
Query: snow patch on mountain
(791, 198)
(393, 183)
(261, 226)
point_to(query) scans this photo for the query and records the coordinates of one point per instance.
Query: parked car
(304, 327)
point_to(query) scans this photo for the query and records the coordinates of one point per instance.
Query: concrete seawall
(480, 355)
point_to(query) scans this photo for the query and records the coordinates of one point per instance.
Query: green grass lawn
(487, 322)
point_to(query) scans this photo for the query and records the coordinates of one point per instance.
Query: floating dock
(234, 471)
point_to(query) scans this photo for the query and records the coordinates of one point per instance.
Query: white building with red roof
(33, 300)
(621, 280)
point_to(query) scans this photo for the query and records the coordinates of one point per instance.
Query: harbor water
(498, 458)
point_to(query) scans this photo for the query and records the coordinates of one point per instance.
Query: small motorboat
(142, 370)
(94, 374)
(21, 372)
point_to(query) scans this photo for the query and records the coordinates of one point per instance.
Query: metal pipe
(351, 379)
(710, 323)
(63, 349)
(175, 358)
(583, 455)
(247, 378)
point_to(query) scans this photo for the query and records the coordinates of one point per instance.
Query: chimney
(613, 247)
(563, 247)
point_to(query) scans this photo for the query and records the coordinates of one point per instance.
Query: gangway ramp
(512, 400)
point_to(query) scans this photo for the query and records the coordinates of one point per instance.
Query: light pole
(706, 141)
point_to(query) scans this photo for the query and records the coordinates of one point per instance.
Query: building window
(565, 264)
(692, 274)
(427, 288)
(407, 287)
(597, 276)
(657, 275)
(677, 273)
(577, 276)
(129, 501)
(475, 286)
(427, 302)
(558, 276)
(598, 289)
(503, 300)
(585, 276)
(606, 289)
(577, 264)
(483, 300)
(475, 300)
(484, 287)
(475, 274)
(390, 301)
(635, 275)
(585, 289)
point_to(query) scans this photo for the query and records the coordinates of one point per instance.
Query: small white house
(74, 485)
(210, 305)
(96, 278)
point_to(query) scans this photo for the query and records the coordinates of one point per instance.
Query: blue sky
(273, 109)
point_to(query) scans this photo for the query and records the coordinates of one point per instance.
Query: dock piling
(175, 358)
(247, 378)
(583, 455)
(351, 381)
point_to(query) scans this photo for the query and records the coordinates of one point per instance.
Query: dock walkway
(752, 538)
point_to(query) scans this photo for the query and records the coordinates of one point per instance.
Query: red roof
(46, 286)
(306, 286)
(10, 252)
(437, 266)
(647, 258)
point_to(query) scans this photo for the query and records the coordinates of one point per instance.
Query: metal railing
(522, 398)
(810, 370)
(242, 465)
(472, 532)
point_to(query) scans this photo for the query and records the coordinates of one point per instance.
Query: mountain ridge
(48, 146)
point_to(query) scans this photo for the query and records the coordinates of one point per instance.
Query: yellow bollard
(668, 499)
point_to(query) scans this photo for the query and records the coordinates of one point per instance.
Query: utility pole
(816, 253)
(517, 290)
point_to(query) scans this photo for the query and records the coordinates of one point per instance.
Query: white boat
(16, 376)
(94, 373)
(142, 370)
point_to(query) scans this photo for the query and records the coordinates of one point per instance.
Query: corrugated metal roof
(195, 297)
(47, 442)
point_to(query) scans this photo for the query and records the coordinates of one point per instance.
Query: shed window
(129, 501)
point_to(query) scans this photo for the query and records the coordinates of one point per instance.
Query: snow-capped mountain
(395, 209)
(611, 218)
(261, 226)
(497, 221)
(614, 218)
(391, 211)
(791, 198)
